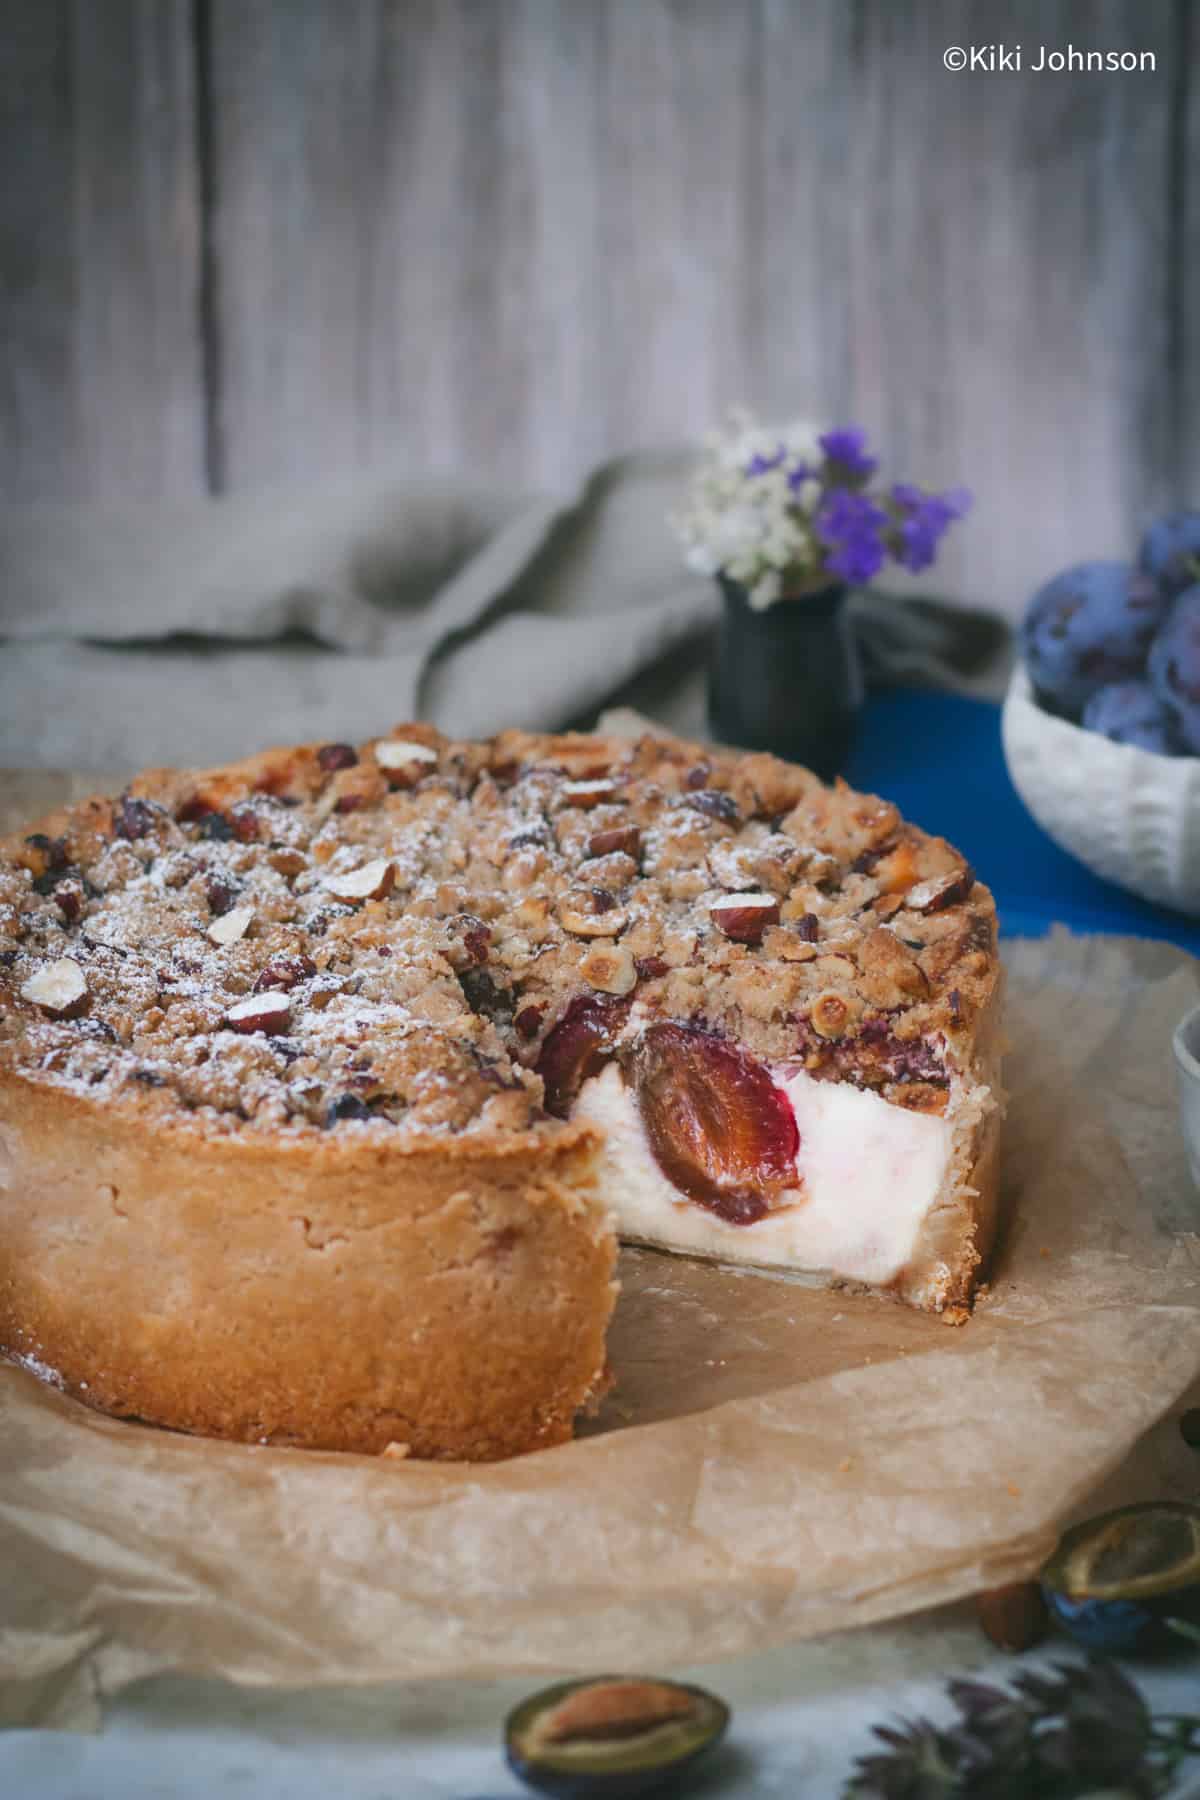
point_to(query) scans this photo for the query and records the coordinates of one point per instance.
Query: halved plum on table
(719, 1128)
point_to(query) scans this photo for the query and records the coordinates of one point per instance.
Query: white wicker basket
(1131, 816)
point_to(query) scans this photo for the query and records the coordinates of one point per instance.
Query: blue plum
(1174, 667)
(1114, 1627)
(1170, 552)
(1089, 626)
(1130, 712)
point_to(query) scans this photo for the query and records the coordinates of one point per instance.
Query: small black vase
(787, 679)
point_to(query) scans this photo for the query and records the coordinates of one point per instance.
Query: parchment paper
(776, 1461)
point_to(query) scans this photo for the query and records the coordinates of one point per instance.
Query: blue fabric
(939, 757)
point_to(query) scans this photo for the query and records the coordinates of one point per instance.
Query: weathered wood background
(251, 241)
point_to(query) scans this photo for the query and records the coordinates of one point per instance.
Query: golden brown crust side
(453, 1303)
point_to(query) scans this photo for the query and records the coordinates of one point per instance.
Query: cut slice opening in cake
(859, 1186)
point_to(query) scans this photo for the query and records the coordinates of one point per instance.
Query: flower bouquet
(788, 519)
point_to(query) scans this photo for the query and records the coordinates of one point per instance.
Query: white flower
(748, 516)
(766, 591)
(759, 440)
(736, 533)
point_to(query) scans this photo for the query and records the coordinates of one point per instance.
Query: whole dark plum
(1130, 712)
(1088, 627)
(1170, 552)
(1174, 667)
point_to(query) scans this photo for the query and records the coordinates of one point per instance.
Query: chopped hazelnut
(288, 862)
(404, 762)
(942, 891)
(332, 757)
(269, 1011)
(589, 793)
(830, 1015)
(745, 917)
(624, 838)
(610, 968)
(584, 914)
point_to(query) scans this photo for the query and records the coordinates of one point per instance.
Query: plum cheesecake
(329, 1079)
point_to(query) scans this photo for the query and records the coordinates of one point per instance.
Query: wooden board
(1008, 275)
(406, 240)
(510, 237)
(101, 395)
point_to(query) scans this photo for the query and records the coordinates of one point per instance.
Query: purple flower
(923, 520)
(851, 527)
(762, 465)
(798, 475)
(847, 448)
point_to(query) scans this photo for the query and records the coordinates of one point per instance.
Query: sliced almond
(59, 988)
(589, 793)
(231, 925)
(610, 968)
(371, 882)
(745, 917)
(260, 1012)
(401, 754)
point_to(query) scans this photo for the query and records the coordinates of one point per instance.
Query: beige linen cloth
(196, 634)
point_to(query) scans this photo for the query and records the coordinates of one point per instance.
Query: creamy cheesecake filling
(868, 1174)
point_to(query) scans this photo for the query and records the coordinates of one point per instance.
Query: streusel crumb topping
(385, 937)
